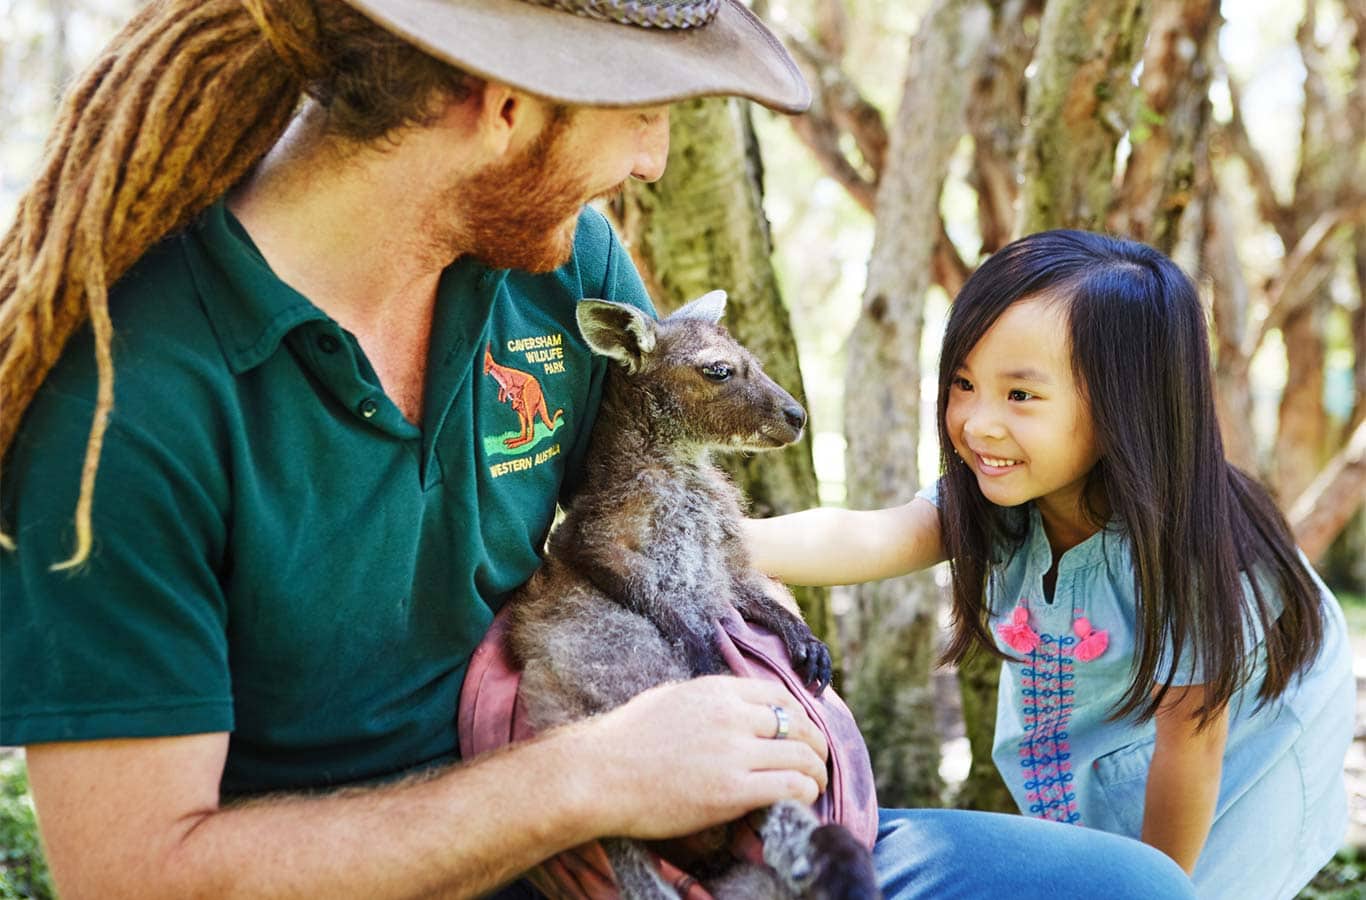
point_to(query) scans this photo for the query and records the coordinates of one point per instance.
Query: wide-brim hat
(604, 52)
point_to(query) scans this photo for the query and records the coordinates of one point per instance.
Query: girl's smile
(989, 465)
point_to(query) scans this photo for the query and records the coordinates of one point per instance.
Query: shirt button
(368, 408)
(328, 343)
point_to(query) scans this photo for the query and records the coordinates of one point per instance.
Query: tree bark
(1302, 429)
(1324, 175)
(895, 620)
(1169, 136)
(1232, 389)
(1079, 105)
(1358, 321)
(979, 677)
(838, 110)
(1325, 507)
(701, 227)
(996, 119)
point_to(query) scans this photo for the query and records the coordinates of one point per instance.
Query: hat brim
(588, 62)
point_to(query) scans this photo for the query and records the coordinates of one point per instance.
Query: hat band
(642, 13)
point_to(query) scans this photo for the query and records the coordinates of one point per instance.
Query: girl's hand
(1183, 781)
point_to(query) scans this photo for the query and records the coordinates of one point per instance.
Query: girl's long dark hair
(1196, 523)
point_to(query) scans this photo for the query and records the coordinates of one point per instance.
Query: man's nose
(653, 150)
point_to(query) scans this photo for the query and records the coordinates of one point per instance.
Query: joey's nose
(795, 415)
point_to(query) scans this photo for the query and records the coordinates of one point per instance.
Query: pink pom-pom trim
(1017, 634)
(1093, 640)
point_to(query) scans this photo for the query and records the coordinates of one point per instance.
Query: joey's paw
(841, 867)
(811, 659)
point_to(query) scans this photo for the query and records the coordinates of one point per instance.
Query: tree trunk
(1232, 389)
(1358, 331)
(895, 620)
(1169, 136)
(996, 119)
(1302, 434)
(701, 227)
(1079, 105)
(1324, 509)
(979, 677)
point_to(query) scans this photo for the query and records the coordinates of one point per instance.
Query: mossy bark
(1080, 102)
(893, 645)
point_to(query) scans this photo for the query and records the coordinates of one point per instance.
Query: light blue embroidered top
(1282, 807)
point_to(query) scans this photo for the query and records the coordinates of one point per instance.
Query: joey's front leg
(756, 602)
(697, 646)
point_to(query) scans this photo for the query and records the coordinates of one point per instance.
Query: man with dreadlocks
(302, 233)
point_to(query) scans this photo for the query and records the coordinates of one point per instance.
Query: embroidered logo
(523, 392)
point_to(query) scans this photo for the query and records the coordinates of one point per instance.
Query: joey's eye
(1019, 395)
(717, 372)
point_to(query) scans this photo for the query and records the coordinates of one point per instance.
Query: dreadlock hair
(1197, 525)
(184, 101)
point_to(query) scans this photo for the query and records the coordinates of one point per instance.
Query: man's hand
(685, 756)
(140, 818)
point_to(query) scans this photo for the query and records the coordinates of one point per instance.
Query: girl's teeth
(999, 463)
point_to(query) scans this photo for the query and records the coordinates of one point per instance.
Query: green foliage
(23, 872)
(1341, 879)
(1148, 119)
(1354, 608)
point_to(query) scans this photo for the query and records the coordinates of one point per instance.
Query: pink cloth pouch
(491, 716)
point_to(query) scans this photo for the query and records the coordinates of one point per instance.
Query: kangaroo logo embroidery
(522, 391)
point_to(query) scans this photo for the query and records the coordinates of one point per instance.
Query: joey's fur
(649, 555)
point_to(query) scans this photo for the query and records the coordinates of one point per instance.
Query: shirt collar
(250, 308)
(1091, 552)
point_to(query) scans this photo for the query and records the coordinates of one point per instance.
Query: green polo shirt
(278, 553)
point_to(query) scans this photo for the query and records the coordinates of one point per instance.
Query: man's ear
(499, 110)
(617, 331)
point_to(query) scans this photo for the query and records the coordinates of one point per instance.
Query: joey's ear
(616, 330)
(709, 308)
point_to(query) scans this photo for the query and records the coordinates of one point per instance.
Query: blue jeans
(945, 854)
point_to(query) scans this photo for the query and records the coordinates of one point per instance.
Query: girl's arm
(828, 545)
(1183, 781)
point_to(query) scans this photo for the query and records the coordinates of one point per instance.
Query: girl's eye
(961, 383)
(1019, 395)
(717, 372)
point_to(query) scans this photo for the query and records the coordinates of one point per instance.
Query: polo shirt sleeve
(134, 642)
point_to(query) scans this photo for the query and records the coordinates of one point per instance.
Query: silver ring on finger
(783, 721)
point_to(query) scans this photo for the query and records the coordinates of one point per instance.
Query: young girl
(1174, 669)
